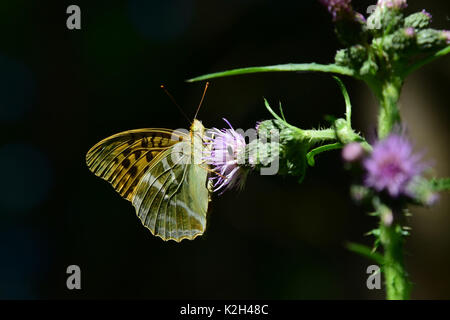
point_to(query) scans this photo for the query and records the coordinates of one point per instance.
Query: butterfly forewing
(122, 159)
(159, 171)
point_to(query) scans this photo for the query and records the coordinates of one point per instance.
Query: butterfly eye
(230, 150)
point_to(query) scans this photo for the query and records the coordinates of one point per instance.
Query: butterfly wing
(170, 193)
(123, 158)
(172, 197)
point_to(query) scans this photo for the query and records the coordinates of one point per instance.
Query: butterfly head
(197, 128)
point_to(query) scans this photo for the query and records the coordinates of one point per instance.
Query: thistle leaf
(442, 184)
(365, 252)
(290, 67)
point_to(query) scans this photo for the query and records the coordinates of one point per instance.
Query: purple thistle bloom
(227, 157)
(427, 14)
(360, 18)
(392, 4)
(257, 125)
(337, 8)
(392, 165)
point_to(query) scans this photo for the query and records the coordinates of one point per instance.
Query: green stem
(388, 94)
(319, 135)
(396, 278)
(391, 235)
(348, 105)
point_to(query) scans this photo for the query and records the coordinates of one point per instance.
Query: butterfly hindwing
(172, 197)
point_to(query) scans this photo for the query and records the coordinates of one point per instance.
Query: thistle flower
(338, 8)
(227, 157)
(427, 14)
(392, 4)
(392, 166)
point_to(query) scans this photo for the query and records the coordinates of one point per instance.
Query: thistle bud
(349, 23)
(369, 67)
(352, 57)
(385, 17)
(418, 20)
(292, 148)
(342, 59)
(352, 152)
(446, 35)
(344, 132)
(359, 193)
(429, 39)
(400, 40)
(421, 191)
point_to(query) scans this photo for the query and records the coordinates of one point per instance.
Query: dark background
(61, 91)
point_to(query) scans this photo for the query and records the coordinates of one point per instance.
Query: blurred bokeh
(61, 91)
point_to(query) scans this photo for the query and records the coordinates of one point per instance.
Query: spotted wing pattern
(123, 158)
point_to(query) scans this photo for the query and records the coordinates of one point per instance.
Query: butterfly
(160, 171)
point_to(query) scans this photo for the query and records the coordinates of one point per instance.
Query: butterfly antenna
(173, 100)
(201, 101)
